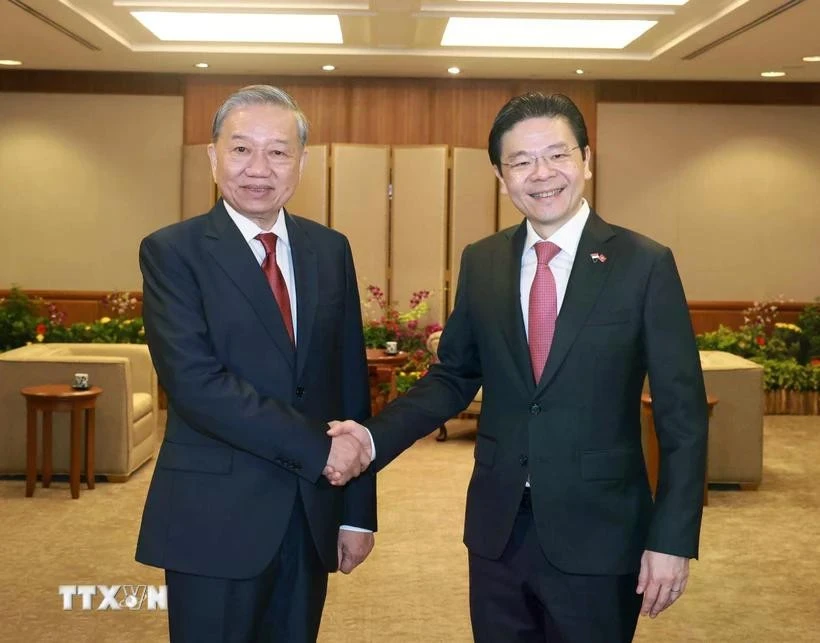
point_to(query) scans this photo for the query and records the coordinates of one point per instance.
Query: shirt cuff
(372, 444)
(349, 528)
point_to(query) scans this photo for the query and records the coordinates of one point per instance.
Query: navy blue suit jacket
(247, 413)
(576, 433)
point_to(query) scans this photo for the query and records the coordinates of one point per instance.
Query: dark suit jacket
(576, 433)
(247, 413)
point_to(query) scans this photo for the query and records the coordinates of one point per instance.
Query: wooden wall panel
(472, 208)
(708, 315)
(87, 306)
(418, 227)
(390, 112)
(311, 198)
(716, 92)
(90, 82)
(463, 111)
(77, 305)
(360, 175)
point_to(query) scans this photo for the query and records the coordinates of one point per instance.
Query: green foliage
(788, 374)
(809, 322)
(21, 323)
(782, 349)
(18, 319)
(748, 341)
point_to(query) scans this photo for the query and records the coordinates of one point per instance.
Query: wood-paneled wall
(386, 111)
(706, 315)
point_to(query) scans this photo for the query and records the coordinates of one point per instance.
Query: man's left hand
(662, 581)
(353, 547)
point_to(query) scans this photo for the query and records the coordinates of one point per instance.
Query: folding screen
(359, 179)
(418, 231)
(472, 206)
(310, 199)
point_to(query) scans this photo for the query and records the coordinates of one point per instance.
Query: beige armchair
(473, 409)
(127, 414)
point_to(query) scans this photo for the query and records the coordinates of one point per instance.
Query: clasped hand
(350, 452)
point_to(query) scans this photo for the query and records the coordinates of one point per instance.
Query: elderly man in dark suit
(252, 317)
(561, 318)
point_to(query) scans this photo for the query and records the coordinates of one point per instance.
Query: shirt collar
(567, 237)
(249, 229)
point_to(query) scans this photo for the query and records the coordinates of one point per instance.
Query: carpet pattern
(756, 581)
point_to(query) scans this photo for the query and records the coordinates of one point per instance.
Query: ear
(212, 157)
(587, 163)
(502, 184)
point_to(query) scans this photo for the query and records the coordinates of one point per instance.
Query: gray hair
(260, 95)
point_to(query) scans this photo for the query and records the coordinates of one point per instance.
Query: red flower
(41, 329)
(761, 341)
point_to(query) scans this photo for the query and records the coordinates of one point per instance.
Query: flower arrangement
(384, 323)
(22, 322)
(783, 349)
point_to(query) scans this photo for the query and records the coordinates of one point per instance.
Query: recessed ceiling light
(202, 65)
(579, 71)
(811, 59)
(11, 63)
(543, 33)
(773, 74)
(242, 27)
(328, 67)
(453, 70)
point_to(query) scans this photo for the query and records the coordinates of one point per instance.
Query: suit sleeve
(203, 392)
(359, 493)
(446, 390)
(679, 406)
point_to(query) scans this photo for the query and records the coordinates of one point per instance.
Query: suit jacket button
(523, 460)
(535, 409)
(300, 391)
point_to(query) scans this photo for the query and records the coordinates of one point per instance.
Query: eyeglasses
(525, 163)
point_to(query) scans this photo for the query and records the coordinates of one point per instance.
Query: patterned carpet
(757, 580)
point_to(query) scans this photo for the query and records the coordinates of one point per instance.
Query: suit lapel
(508, 292)
(229, 248)
(585, 282)
(306, 274)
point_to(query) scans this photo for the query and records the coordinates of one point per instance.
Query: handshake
(351, 451)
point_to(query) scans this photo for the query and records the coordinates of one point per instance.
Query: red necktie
(276, 280)
(543, 307)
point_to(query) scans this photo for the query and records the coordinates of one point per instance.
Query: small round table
(49, 398)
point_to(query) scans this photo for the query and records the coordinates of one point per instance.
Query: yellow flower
(88, 327)
(105, 320)
(125, 322)
(39, 338)
(142, 332)
(792, 327)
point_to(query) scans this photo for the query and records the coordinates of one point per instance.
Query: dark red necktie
(276, 280)
(543, 308)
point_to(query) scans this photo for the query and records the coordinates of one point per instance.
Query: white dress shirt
(284, 259)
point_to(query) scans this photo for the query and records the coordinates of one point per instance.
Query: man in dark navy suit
(560, 318)
(252, 317)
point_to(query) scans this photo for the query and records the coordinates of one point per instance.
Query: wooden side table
(652, 451)
(381, 368)
(49, 398)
